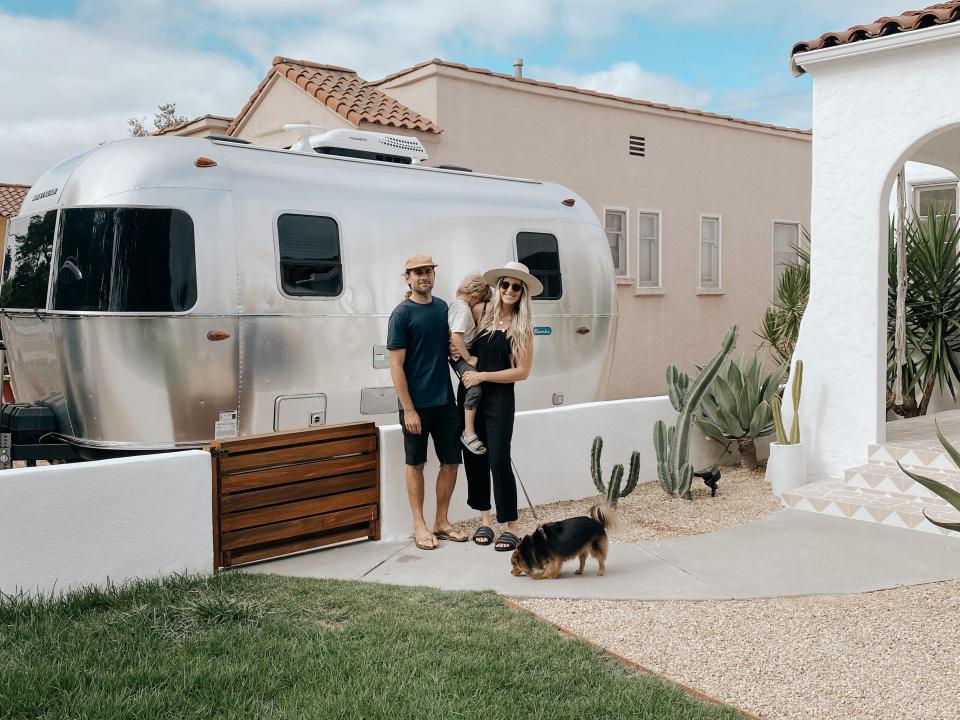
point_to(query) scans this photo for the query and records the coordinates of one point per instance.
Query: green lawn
(259, 646)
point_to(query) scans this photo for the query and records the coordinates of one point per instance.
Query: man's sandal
(473, 444)
(483, 536)
(508, 541)
(426, 543)
(452, 534)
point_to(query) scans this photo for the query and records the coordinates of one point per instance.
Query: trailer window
(125, 260)
(26, 261)
(309, 255)
(539, 252)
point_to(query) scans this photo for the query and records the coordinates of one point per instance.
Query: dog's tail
(605, 515)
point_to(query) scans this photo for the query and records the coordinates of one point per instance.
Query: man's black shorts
(443, 424)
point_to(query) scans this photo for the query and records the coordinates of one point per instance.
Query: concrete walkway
(786, 553)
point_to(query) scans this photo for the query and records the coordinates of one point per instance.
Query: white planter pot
(787, 467)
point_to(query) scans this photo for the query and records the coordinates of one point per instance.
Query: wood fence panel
(287, 492)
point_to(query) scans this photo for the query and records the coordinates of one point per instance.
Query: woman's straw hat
(515, 270)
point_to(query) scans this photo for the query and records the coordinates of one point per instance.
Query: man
(417, 340)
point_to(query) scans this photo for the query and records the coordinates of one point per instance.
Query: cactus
(775, 404)
(673, 445)
(612, 491)
(796, 384)
(677, 384)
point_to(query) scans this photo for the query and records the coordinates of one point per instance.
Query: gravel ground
(889, 654)
(649, 513)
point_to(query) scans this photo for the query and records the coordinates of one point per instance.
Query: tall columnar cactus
(677, 384)
(794, 437)
(673, 444)
(612, 491)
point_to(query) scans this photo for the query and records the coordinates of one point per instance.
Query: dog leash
(517, 476)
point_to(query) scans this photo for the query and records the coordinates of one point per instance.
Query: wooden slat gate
(281, 493)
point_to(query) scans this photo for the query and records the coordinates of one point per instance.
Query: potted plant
(787, 466)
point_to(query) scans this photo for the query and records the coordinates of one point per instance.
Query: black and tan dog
(541, 554)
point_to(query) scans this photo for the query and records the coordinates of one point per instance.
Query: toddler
(463, 315)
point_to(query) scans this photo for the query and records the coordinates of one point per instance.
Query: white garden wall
(63, 526)
(551, 451)
(876, 104)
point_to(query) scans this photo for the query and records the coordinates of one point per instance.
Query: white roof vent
(402, 149)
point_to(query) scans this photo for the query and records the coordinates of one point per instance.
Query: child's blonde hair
(473, 285)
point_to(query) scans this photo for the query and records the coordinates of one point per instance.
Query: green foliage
(612, 491)
(780, 326)
(938, 488)
(677, 384)
(244, 646)
(736, 406)
(932, 311)
(673, 446)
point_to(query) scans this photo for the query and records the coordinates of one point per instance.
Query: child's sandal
(473, 444)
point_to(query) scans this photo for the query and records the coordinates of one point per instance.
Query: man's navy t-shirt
(423, 332)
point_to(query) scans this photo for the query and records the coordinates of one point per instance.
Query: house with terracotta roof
(884, 96)
(701, 210)
(11, 198)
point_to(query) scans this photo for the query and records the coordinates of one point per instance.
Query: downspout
(900, 328)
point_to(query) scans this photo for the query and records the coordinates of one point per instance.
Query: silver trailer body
(139, 379)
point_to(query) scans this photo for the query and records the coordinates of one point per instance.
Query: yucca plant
(780, 325)
(938, 488)
(736, 406)
(932, 311)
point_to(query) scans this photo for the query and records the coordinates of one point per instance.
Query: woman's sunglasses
(517, 287)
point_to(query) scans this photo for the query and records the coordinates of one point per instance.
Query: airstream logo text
(45, 193)
(542, 330)
(361, 139)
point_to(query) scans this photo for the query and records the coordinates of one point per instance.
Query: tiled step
(912, 457)
(891, 479)
(835, 497)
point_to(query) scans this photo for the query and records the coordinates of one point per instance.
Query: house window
(615, 224)
(310, 263)
(786, 241)
(939, 199)
(539, 252)
(709, 252)
(648, 262)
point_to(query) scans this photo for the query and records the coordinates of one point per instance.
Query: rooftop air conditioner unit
(345, 142)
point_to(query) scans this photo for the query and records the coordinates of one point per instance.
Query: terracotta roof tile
(583, 91)
(939, 14)
(11, 198)
(344, 92)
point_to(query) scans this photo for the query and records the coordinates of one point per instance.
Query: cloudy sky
(73, 72)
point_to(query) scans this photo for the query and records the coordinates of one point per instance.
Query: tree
(166, 117)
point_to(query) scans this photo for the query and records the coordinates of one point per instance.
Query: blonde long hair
(521, 330)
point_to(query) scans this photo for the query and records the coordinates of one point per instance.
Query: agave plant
(780, 326)
(736, 406)
(938, 488)
(933, 311)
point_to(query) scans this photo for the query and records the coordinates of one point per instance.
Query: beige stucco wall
(750, 177)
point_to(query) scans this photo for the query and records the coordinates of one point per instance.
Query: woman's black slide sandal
(483, 536)
(508, 540)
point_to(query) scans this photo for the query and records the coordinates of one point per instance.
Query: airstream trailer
(160, 292)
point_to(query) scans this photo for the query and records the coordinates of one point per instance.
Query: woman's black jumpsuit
(494, 425)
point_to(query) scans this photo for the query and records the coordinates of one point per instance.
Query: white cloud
(71, 86)
(629, 80)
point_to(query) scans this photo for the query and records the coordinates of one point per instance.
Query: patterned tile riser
(889, 478)
(912, 457)
(909, 517)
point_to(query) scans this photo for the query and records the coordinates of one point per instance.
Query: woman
(504, 351)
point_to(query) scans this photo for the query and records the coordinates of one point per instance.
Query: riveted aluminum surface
(155, 380)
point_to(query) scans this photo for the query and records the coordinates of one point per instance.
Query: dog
(541, 554)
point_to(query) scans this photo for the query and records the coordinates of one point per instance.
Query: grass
(261, 646)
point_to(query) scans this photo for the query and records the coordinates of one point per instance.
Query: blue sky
(78, 70)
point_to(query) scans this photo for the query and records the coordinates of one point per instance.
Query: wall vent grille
(638, 146)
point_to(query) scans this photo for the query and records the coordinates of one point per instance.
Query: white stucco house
(884, 94)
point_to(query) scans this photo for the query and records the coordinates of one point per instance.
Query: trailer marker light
(203, 162)
(568, 202)
(215, 335)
